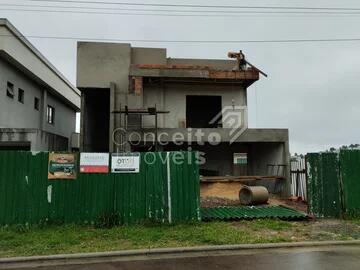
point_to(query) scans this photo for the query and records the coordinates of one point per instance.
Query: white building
(38, 104)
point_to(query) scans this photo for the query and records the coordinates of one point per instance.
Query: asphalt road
(337, 257)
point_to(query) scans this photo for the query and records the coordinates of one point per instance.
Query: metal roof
(250, 212)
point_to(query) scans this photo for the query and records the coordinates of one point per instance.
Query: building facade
(138, 99)
(37, 104)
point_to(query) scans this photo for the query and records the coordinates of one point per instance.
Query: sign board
(94, 162)
(125, 163)
(62, 166)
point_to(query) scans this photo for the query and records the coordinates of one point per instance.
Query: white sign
(94, 162)
(125, 163)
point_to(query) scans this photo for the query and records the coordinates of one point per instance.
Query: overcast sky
(312, 88)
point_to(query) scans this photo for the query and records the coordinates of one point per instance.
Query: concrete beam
(192, 134)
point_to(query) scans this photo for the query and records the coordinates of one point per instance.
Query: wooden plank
(234, 74)
(239, 178)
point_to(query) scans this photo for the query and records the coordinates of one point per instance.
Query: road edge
(177, 250)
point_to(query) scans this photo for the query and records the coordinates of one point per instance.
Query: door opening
(200, 110)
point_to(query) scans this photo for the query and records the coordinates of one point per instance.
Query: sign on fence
(125, 163)
(94, 162)
(62, 166)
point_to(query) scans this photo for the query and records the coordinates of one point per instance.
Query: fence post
(168, 184)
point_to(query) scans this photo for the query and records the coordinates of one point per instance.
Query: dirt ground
(227, 194)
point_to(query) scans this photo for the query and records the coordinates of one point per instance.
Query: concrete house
(139, 99)
(38, 105)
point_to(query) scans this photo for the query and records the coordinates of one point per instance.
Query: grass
(57, 239)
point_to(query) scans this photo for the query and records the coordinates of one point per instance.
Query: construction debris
(253, 195)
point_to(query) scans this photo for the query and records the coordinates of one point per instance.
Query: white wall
(14, 114)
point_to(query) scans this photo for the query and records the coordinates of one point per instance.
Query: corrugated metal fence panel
(27, 196)
(142, 195)
(23, 197)
(323, 184)
(185, 192)
(350, 176)
(314, 194)
(250, 212)
(86, 199)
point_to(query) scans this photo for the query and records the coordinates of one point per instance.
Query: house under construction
(138, 99)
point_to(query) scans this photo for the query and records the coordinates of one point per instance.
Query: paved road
(337, 257)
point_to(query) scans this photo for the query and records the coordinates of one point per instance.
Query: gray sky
(312, 88)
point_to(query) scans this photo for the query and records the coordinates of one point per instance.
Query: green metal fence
(350, 179)
(163, 191)
(333, 183)
(323, 185)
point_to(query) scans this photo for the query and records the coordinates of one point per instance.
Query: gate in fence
(298, 177)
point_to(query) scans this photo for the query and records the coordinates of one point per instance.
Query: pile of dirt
(208, 202)
(228, 190)
(227, 194)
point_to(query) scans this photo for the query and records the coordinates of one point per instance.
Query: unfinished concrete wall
(214, 63)
(219, 159)
(148, 56)
(263, 154)
(100, 64)
(172, 97)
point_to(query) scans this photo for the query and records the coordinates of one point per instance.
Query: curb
(167, 251)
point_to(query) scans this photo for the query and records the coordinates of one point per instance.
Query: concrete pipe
(253, 195)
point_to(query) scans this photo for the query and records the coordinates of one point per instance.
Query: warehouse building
(38, 105)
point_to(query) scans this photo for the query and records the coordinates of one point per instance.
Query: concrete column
(82, 121)
(287, 160)
(113, 116)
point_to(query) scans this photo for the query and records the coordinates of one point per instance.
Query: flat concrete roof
(18, 50)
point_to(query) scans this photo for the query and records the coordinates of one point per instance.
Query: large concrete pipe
(253, 195)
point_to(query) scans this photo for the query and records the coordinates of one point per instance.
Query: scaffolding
(153, 111)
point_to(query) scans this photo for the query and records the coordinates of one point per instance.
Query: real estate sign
(125, 163)
(94, 162)
(62, 166)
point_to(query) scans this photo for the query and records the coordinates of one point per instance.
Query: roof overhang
(16, 49)
(195, 73)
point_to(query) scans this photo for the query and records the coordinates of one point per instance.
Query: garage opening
(200, 110)
(96, 120)
(15, 146)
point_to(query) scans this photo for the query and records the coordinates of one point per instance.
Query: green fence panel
(27, 196)
(323, 184)
(184, 186)
(350, 178)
